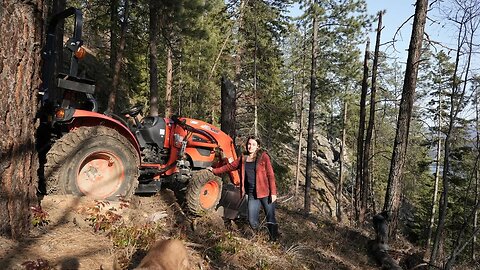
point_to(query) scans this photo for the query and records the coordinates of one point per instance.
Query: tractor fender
(89, 118)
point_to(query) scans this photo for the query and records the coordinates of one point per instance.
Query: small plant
(262, 264)
(229, 245)
(216, 251)
(124, 236)
(39, 264)
(127, 240)
(124, 203)
(39, 216)
(103, 220)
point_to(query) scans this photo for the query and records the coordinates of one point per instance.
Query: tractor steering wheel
(133, 111)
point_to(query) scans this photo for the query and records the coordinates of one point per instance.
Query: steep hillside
(79, 233)
(324, 172)
(69, 240)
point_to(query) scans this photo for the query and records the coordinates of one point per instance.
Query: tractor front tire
(203, 192)
(97, 162)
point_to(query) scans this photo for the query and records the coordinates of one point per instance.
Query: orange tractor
(100, 156)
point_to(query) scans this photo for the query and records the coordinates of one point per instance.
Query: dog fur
(169, 254)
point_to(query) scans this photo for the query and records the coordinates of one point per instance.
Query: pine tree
(20, 53)
(394, 191)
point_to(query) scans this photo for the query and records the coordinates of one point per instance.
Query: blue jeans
(254, 210)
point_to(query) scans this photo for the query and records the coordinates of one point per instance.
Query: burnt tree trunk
(359, 213)
(367, 196)
(20, 51)
(394, 187)
(229, 107)
(379, 246)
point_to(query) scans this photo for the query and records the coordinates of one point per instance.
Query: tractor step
(150, 187)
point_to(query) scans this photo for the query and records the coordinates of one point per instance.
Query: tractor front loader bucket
(233, 204)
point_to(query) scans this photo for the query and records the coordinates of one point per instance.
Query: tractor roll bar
(73, 44)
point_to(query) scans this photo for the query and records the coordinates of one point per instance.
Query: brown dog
(169, 254)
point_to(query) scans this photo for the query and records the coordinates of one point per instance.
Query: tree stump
(379, 247)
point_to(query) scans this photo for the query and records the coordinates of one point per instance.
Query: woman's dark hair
(255, 138)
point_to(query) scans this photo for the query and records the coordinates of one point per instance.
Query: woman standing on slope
(257, 181)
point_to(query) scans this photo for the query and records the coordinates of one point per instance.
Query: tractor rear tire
(96, 162)
(203, 192)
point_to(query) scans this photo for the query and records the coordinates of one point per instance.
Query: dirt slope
(69, 241)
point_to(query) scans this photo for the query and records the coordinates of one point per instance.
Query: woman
(258, 182)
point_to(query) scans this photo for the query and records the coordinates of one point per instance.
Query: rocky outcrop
(325, 171)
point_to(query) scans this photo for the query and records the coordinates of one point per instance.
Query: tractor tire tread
(69, 144)
(199, 179)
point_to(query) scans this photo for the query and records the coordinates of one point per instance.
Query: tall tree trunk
(153, 57)
(437, 179)
(359, 213)
(311, 117)
(433, 210)
(212, 70)
(169, 83)
(458, 245)
(239, 50)
(255, 94)
(366, 199)
(477, 144)
(112, 98)
(300, 120)
(113, 34)
(475, 222)
(475, 214)
(456, 104)
(299, 150)
(341, 174)
(394, 187)
(372, 173)
(21, 31)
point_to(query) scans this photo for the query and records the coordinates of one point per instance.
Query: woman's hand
(273, 198)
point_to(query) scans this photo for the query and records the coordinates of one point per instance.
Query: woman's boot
(273, 231)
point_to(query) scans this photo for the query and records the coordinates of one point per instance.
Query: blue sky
(397, 12)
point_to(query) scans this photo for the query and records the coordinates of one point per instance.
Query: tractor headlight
(80, 53)
(62, 114)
